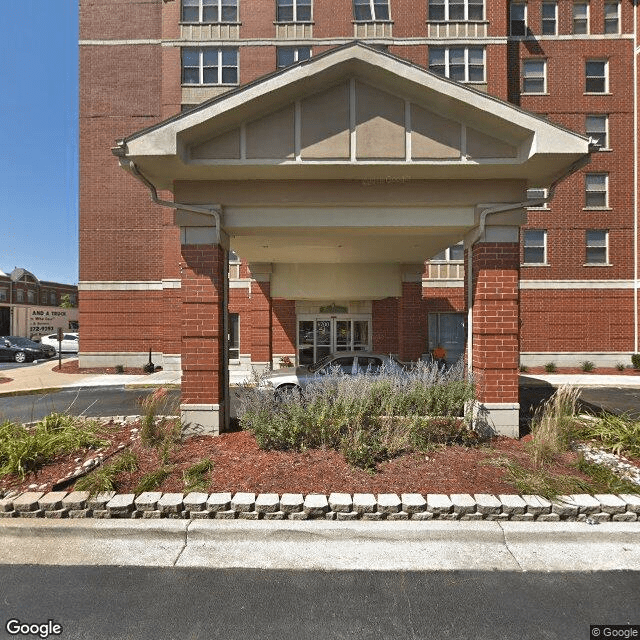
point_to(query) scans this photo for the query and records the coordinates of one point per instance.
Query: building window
(596, 190)
(286, 56)
(31, 296)
(20, 295)
(368, 10)
(612, 17)
(293, 11)
(52, 298)
(3, 294)
(537, 194)
(596, 76)
(580, 18)
(209, 65)
(454, 253)
(597, 246)
(534, 246)
(234, 336)
(597, 128)
(456, 10)
(549, 18)
(209, 11)
(447, 331)
(518, 19)
(534, 76)
(464, 64)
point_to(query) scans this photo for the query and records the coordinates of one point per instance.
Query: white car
(69, 342)
(349, 362)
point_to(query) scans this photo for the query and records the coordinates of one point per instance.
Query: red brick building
(563, 289)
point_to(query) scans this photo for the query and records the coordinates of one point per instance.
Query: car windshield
(321, 363)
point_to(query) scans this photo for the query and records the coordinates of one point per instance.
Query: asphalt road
(170, 603)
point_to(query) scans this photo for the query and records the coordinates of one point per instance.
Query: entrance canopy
(352, 157)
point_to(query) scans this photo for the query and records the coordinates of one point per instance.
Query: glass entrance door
(318, 336)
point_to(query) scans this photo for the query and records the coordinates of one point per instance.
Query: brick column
(261, 351)
(495, 327)
(411, 319)
(204, 277)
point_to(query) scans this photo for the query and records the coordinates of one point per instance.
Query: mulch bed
(72, 367)
(239, 465)
(598, 371)
(2, 380)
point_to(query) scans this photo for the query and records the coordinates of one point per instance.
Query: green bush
(635, 360)
(550, 367)
(24, 449)
(620, 366)
(618, 434)
(587, 365)
(368, 418)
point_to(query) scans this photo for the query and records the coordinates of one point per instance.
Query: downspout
(479, 232)
(636, 194)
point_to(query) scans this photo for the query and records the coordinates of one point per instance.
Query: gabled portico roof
(353, 113)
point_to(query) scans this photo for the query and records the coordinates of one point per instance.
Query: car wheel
(20, 356)
(287, 390)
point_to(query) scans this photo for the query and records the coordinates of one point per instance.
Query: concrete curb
(336, 506)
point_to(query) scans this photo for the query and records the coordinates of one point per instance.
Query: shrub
(369, 418)
(152, 480)
(554, 425)
(619, 434)
(587, 365)
(635, 360)
(24, 449)
(524, 368)
(104, 478)
(119, 368)
(194, 478)
(550, 367)
(620, 366)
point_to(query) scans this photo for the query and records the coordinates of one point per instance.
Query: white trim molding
(576, 284)
(122, 285)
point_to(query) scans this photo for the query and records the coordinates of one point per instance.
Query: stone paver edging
(336, 506)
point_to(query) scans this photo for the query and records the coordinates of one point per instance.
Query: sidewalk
(40, 376)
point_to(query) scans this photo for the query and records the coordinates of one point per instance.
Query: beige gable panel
(272, 137)
(433, 136)
(380, 127)
(481, 145)
(225, 146)
(325, 124)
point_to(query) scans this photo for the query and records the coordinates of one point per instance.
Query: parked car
(348, 362)
(69, 342)
(21, 349)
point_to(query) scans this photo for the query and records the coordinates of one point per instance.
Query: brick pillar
(411, 319)
(204, 274)
(495, 326)
(261, 351)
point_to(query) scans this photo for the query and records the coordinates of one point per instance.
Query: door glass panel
(305, 342)
(360, 335)
(343, 335)
(447, 330)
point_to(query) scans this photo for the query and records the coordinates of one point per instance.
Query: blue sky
(39, 138)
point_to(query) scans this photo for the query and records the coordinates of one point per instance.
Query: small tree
(65, 302)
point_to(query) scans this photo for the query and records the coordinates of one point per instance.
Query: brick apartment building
(326, 161)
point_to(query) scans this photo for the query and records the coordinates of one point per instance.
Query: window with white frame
(371, 10)
(293, 10)
(518, 19)
(455, 253)
(286, 56)
(209, 65)
(234, 336)
(597, 128)
(596, 187)
(534, 245)
(209, 11)
(234, 265)
(537, 194)
(596, 76)
(597, 246)
(456, 10)
(549, 18)
(534, 76)
(464, 64)
(580, 18)
(612, 17)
